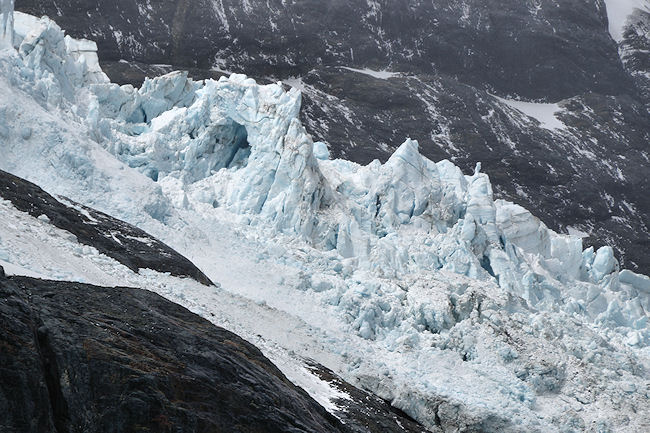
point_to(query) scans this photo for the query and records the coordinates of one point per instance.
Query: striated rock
(83, 358)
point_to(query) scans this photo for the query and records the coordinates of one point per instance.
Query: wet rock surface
(80, 358)
(123, 242)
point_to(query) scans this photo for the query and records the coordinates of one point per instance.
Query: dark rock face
(453, 54)
(365, 412)
(123, 242)
(535, 49)
(80, 358)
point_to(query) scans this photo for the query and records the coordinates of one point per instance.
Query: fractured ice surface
(6, 23)
(463, 308)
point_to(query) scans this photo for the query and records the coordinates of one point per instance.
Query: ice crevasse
(234, 145)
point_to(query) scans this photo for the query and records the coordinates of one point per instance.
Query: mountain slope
(633, 47)
(126, 244)
(483, 43)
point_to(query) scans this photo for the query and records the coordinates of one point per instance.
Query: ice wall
(236, 145)
(6, 23)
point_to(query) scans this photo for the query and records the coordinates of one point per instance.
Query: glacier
(408, 278)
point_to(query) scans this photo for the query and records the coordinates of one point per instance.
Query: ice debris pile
(415, 256)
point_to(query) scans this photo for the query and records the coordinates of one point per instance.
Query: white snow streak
(382, 75)
(543, 113)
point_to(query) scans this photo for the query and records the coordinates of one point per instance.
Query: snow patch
(545, 114)
(382, 75)
(295, 82)
(573, 231)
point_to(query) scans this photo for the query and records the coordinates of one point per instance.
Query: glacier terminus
(407, 278)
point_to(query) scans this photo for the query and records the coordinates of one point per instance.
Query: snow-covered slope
(46, 238)
(407, 278)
